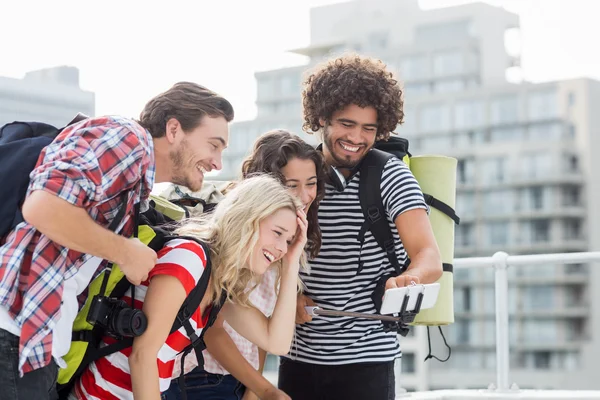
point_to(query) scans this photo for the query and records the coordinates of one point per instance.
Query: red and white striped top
(109, 378)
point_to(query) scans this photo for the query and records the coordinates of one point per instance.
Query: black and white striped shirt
(336, 283)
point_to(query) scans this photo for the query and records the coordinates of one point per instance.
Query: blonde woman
(247, 233)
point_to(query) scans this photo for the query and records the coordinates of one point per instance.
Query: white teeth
(353, 149)
(270, 256)
(201, 169)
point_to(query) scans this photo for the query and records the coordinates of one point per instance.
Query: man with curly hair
(352, 102)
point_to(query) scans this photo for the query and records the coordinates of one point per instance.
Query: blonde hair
(231, 231)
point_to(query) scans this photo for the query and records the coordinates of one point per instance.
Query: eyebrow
(349, 121)
(282, 228)
(298, 180)
(220, 139)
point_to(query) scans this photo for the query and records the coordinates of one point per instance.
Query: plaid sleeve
(90, 164)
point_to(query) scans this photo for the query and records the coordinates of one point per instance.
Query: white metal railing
(500, 261)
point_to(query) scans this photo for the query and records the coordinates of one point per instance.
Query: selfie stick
(398, 323)
(313, 311)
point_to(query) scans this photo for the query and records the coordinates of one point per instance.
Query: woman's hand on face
(296, 249)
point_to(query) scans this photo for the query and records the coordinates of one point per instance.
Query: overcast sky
(127, 50)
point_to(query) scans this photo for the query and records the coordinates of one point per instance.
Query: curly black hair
(272, 151)
(352, 79)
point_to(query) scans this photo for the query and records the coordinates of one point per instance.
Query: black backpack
(371, 203)
(20, 146)
(162, 227)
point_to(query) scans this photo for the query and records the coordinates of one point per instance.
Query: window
(571, 163)
(571, 229)
(271, 363)
(449, 86)
(540, 231)
(493, 170)
(465, 204)
(469, 114)
(264, 88)
(538, 298)
(414, 67)
(536, 165)
(541, 359)
(407, 363)
(545, 132)
(464, 171)
(464, 235)
(378, 40)
(513, 134)
(453, 30)
(448, 63)
(463, 300)
(504, 110)
(571, 196)
(498, 202)
(542, 105)
(434, 117)
(575, 296)
(535, 198)
(463, 334)
(497, 233)
(417, 89)
(436, 144)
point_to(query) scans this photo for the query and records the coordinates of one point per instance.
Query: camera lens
(130, 322)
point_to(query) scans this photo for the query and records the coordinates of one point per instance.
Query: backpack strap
(441, 206)
(371, 203)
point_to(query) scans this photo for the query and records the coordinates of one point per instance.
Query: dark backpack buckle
(373, 214)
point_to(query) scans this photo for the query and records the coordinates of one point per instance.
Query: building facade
(49, 95)
(526, 180)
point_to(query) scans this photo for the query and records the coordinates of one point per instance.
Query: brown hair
(272, 151)
(188, 103)
(352, 79)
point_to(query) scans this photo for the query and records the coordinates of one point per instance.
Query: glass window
(449, 86)
(498, 202)
(465, 204)
(497, 233)
(465, 171)
(408, 363)
(535, 198)
(436, 144)
(265, 88)
(512, 134)
(504, 110)
(452, 30)
(417, 89)
(542, 104)
(448, 63)
(545, 132)
(571, 229)
(539, 298)
(469, 114)
(493, 171)
(434, 117)
(571, 196)
(464, 235)
(536, 165)
(414, 67)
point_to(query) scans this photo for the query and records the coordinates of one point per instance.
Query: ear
(171, 130)
(322, 122)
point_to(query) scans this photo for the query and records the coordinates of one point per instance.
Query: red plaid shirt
(92, 165)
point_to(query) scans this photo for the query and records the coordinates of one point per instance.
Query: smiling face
(276, 233)
(301, 179)
(349, 135)
(197, 152)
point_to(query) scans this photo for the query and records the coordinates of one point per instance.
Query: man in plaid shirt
(81, 181)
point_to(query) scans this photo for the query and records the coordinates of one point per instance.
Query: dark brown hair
(272, 151)
(188, 103)
(352, 79)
